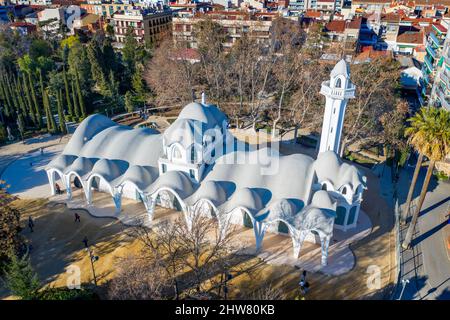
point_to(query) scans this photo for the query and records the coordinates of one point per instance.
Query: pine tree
(66, 88)
(62, 122)
(76, 109)
(21, 278)
(51, 125)
(80, 96)
(15, 102)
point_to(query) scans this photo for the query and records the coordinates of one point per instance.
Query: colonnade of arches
(169, 198)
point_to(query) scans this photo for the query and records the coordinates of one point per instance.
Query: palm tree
(433, 140)
(415, 132)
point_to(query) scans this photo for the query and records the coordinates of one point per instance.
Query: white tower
(337, 91)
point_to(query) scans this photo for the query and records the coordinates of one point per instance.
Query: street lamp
(404, 283)
(93, 258)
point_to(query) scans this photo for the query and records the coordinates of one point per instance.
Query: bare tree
(376, 84)
(138, 278)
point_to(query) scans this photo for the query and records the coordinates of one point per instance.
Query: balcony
(431, 51)
(428, 64)
(444, 78)
(445, 103)
(435, 40)
(338, 93)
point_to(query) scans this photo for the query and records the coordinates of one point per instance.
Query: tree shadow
(427, 234)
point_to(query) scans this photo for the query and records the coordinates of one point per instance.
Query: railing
(428, 64)
(338, 93)
(431, 51)
(436, 41)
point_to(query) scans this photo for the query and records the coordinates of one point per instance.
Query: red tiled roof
(313, 14)
(335, 26)
(411, 37)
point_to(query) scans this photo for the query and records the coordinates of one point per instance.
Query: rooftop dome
(329, 166)
(246, 198)
(61, 162)
(175, 180)
(208, 114)
(81, 166)
(321, 199)
(210, 190)
(109, 169)
(341, 68)
(141, 176)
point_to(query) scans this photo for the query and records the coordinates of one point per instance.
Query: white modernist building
(198, 167)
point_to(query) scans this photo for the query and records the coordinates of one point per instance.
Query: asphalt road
(427, 266)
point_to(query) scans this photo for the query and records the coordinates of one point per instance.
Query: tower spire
(337, 91)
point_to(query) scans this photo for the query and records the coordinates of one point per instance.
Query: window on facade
(338, 83)
(193, 155)
(176, 153)
(344, 190)
(192, 173)
(324, 187)
(163, 168)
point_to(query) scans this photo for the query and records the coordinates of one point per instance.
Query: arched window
(338, 83)
(176, 153)
(324, 187)
(344, 190)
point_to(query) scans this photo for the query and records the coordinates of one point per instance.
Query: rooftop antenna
(203, 97)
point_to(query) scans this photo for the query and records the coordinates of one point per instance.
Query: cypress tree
(13, 96)
(75, 103)
(52, 118)
(7, 102)
(29, 101)
(20, 96)
(62, 122)
(66, 88)
(80, 96)
(37, 109)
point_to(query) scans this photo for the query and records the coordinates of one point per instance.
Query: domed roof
(208, 114)
(141, 176)
(211, 190)
(86, 130)
(175, 180)
(81, 166)
(321, 199)
(109, 169)
(246, 198)
(329, 166)
(61, 162)
(341, 68)
(282, 209)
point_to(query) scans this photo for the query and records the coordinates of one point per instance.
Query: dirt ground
(57, 245)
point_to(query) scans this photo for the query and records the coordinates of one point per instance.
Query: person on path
(58, 189)
(77, 217)
(30, 223)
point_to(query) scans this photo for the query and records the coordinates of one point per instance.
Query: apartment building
(108, 9)
(235, 24)
(147, 25)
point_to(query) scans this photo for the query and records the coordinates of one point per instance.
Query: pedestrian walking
(30, 223)
(85, 241)
(58, 189)
(77, 217)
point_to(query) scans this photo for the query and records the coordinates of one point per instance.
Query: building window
(163, 168)
(344, 190)
(338, 83)
(176, 153)
(324, 187)
(192, 173)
